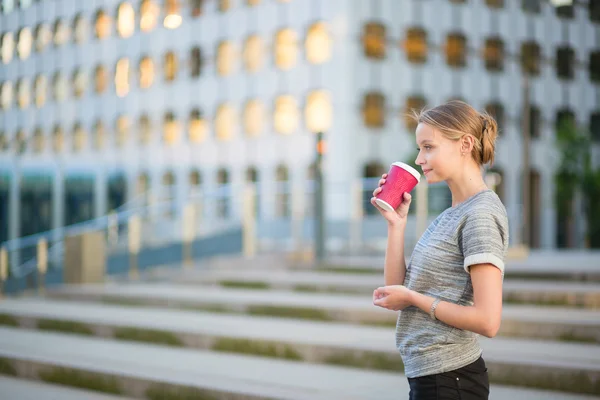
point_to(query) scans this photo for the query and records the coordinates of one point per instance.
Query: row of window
(535, 6)
(286, 120)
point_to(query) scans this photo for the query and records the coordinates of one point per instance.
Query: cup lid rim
(410, 169)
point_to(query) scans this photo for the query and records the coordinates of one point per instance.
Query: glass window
(594, 10)
(7, 47)
(79, 137)
(41, 90)
(80, 29)
(24, 43)
(530, 58)
(24, 3)
(125, 20)
(145, 127)
(20, 142)
(3, 141)
(415, 45)
(286, 49)
(595, 126)
(225, 122)
(456, 50)
(494, 54)
(535, 121)
(318, 113)
(58, 139)
(196, 7)
(146, 72)
(254, 53)
(594, 66)
(196, 62)
(99, 135)
(565, 11)
(171, 129)
(173, 17)
(102, 25)
(60, 85)
(252, 3)
(287, 115)
(198, 127)
(122, 77)
(565, 119)
(225, 58)
(374, 110)
(101, 79)
(62, 32)
(533, 6)
(565, 62)
(8, 6)
(318, 44)
(43, 36)
(6, 95)
(171, 66)
(414, 104)
(122, 126)
(254, 117)
(149, 13)
(80, 81)
(23, 93)
(374, 40)
(495, 3)
(39, 141)
(224, 5)
(496, 110)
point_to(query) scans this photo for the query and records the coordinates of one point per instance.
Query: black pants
(467, 383)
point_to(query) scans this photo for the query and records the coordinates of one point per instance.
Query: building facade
(107, 101)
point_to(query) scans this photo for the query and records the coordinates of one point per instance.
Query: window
(102, 25)
(58, 139)
(80, 29)
(6, 95)
(456, 50)
(286, 49)
(195, 62)
(415, 45)
(495, 3)
(146, 72)
(374, 40)
(318, 44)
(7, 47)
(414, 104)
(373, 172)
(80, 80)
(196, 7)
(122, 127)
(494, 54)
(225, 58)
(122, 77)
(20, 141)
(223, 205)
(530, 58)
(565, 120)
(24, 43)
(254, 53)
(23, 93)
(62, 33)
(565, 11)
(79, 137)
(225, 122)
(149, 13)
(171, 66)
(565, 62)
(60, 85)
(8, 6)
(318, 112)
(43, 37)
(172, 14)
(595, 126)
(3, 141)
(252, 3)
(99, 132)
(198, 129)
(594, 66)
(496, 110)
(286, 116)
(254, 116)
(40, 87)
(38, 140)
(125, 20)
(145, 129)
(535, 121)
(594, 10)
(101, 79)
(224, 5)
(533, 6)
(374, 110)
(170, 129)
(282, 200)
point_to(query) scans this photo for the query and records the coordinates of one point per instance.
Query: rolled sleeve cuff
(486, 258)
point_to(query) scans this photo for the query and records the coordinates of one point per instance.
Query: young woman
(451, 290)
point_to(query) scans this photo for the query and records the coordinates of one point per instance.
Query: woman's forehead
(426, 133)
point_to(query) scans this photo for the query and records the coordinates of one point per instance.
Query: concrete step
(140, 369)
(567, 294)
(552, 323)
(22, 389)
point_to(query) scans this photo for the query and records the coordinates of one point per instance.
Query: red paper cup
(401, 178)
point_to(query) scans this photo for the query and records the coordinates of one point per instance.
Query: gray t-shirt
(473, 232)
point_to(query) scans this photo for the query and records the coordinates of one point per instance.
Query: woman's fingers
(381, 182)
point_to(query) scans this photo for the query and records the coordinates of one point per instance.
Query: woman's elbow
(490, 328)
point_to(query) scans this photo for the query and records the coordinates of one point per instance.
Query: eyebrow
(425, 141)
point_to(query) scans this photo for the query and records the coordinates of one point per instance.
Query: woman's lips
(426, 171)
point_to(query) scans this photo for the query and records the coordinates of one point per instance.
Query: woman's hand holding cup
(392, 217)
(395, 202)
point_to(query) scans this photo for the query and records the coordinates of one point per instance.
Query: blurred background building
(104, 103)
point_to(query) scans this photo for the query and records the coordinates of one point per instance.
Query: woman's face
(439, 158)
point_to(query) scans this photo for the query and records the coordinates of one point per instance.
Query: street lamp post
(319, 200)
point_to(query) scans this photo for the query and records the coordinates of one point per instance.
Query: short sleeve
(484, 239)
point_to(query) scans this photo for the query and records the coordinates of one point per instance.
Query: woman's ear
(467, 143)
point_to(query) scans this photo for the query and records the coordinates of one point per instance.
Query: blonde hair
(455, 119)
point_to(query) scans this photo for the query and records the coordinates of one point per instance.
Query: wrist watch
(433, 307)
